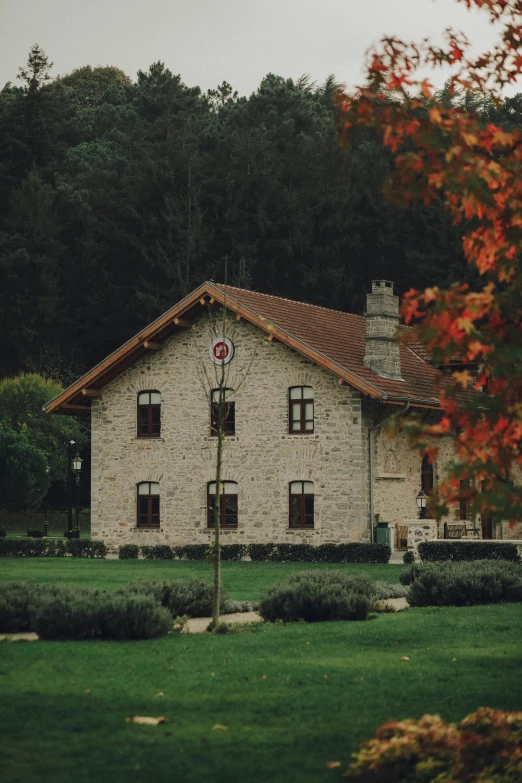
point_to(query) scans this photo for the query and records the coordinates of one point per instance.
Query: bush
(192, 597)
(461, 551)
(22, 547)
(466, 584)
(33, 532)
(233, 551)
(324, 553)
(82, 547)
(408, 558)
(129, 552)
(387, 590)
(485, 746)
(318, 596)
(261, 551)
(157, 552)
(192, 551)
(94, 615)
(235, 607)
(409, 574)
(18, 601)
(54, 547)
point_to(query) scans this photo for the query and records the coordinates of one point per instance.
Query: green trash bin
(384, 533)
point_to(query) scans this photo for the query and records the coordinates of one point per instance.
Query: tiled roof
(340, 337)
(333, 339)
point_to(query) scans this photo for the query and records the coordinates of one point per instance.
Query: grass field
(243, 580)
(292, 696)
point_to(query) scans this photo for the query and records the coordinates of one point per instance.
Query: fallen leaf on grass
(219, 727)
(325, 676)
(405, 658)
(333, 764)
(454, 659)
(263, 677)
(159, 693)
(88, 690)
(145, 720)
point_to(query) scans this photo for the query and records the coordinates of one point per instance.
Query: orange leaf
(333, 764)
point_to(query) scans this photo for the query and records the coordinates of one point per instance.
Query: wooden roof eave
(125, 355)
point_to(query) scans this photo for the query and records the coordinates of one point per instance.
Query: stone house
(306, 457)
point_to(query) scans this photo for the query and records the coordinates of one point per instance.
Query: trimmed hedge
(192, 551)
(317, 596)
(465, 584)
(82, 547)
(157, 552)
(17, 603)
(233, 551)
(262, 551)
(324, 553)
(460, 551)
(22, 547)
(408, 558)
(129, 552)
(94, 615)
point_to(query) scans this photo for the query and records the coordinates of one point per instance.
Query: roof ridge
(283, 299)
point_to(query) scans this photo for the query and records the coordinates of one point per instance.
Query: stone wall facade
(262, 457)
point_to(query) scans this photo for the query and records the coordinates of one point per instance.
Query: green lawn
(293, 697)
(243, 580)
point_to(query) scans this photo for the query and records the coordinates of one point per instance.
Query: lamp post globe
(421, 500)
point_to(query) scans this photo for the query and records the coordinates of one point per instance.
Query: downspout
(370, 458)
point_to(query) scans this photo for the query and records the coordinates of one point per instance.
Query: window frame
(227, 430)
(223, 524)
(149, 407)
(149, 525)
(303, 497)
(301, 402)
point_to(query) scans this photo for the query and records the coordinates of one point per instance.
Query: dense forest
(118, 197)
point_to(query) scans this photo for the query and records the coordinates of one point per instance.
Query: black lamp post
(421, 504)
(71, 449)
(77, 466)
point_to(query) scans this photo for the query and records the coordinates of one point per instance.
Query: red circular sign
(220, 351)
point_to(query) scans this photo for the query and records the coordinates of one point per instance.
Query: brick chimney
(382, 319)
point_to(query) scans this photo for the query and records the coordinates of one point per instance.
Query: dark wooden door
(487, 526)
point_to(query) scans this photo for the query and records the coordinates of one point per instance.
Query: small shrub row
(58, 612)
(319, 596)
(129, 552)
(485, 746)
(94, 615)
(293, 553)
(51, 547)
(461, 551)
(463, 584)
(191, 597)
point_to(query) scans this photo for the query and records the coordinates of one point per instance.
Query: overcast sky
(210, 41)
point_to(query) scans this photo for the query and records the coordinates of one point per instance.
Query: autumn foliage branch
(443, 151)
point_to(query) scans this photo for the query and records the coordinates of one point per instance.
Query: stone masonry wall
(262, 457)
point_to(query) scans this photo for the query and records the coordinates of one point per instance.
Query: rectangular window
(148, 514)
(149, 414)
(228, 412)
(227, 504)
(301, 409)
(301, 504)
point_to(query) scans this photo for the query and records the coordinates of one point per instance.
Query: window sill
(149, 527)
(302, 529)
(148, 439)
